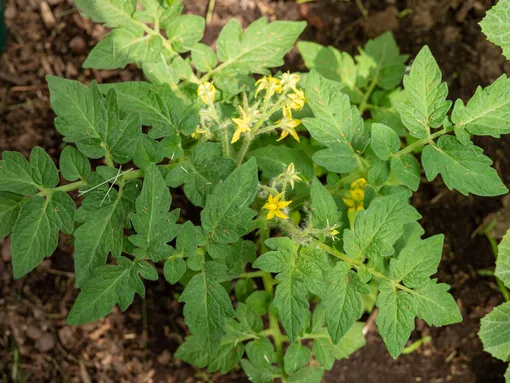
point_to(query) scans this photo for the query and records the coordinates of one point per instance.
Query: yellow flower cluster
(275, 206)
(288, 82)
(243, 124)
(356, 195)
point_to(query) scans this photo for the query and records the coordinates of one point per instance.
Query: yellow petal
(267, 206)
(236, 136)
(279, 214)
(295, 135)
(283, 135)
(283, 204)
(277, 197)
(349, 202)
(270, 214)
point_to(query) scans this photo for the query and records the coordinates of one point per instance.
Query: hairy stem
(420, 143)
(364, 102)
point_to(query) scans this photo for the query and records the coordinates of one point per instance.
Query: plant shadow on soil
(137, 345)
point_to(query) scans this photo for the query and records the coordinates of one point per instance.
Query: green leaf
(243, 289)
(261, 46)
(259, 301)
(427, 105)
(123, 135)
(227, 215)
(148, 152)
(174, 268)
(250, 321)
(203, 57)
(296, 357)
(207, 306)
(73, 164)
(103, 215)
(384, 141)
(503, 260)
(185, 31)
(201, 173)
(162, 11)
(227, 357)
(379, 173)
(111, 285)
(291, 301)
(113, 13)
(407, 170)
(487, 112)
(496, 25)
(123, 46)
(192, 352)
(16, 174)
(395, 319)
(385, 56)
(494, 332)
(258, 374)
(418, 260)
(435, 305)
(307, 375)
(378, 228)
(45, 172)
(273, 160)
(34, 236)
(336, 124)
(324, 210)
(463, 167)
(154, 224)
(10, 207)
(279, 260)
(261, 352)
(62, 211)
(342, 300)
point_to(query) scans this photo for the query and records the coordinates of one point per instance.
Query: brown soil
(137, 346)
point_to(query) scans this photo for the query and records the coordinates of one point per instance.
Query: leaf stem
(364, 102)
(418, 144)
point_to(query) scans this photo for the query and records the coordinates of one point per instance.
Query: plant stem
(359, 264)
(210, 10)
(418, 144)
(416, 345)
(252, 274)
(364, 102)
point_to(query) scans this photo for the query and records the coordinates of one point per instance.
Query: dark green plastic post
(3, 29)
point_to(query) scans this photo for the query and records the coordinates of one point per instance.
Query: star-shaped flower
(206, 91)
(289, 81)
(288, 124)
(297, 100)
(275, 206)
(242, 125)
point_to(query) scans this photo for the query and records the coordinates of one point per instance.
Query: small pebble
(77, 45)
(46, 343)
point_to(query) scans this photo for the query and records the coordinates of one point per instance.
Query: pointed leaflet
(503, 260)
(384, 141)
(261, 46)
(395, 319)
(227, 215)
(45, 172)
(342, 301)
(113, 13)
(378, 228)
(335, 125)
(111, 285)
(73, 164)
(207, 305)
(16, 174)
(201, 173)
(325, 212)
(103, 215)
(496, 26)
(10, 206)
(427, 105)
(154, 224)
(417, 261)
(494, 332)
(463, 167)
(487, 112)
(384, 53)
(433, 304)
(407, 170)
(296, 357)
(203, 57)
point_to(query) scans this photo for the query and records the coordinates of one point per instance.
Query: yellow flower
(206, 91)
(333, 232)
(289, 81)
(198, 131)
(275, 206)
(297, 100)
(242, 125)
(288, 124)
(291, 175)
(357, 195)
(270, 84)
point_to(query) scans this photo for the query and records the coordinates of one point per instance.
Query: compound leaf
(494, 332)
(463, 167)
